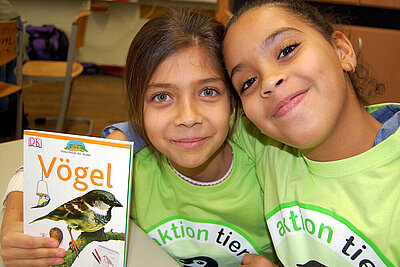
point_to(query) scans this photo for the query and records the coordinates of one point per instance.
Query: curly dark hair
(365, 86)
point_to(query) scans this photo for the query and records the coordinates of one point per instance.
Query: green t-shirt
(338, 213)
(218, 223)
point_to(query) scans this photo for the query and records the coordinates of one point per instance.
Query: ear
(345, 51)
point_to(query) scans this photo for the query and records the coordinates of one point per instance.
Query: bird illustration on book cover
(89, 214)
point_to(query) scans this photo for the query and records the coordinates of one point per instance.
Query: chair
(62, 71)
(10, 49)
(223, 11)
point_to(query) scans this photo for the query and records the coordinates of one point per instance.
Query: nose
(272, 83)
(188, 113)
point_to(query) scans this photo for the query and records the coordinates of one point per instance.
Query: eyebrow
(159, 85)
(278, 34)
(169, 85)
(209, 80)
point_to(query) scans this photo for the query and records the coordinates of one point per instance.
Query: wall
(108, 35)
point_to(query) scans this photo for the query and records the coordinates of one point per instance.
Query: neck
(213, 169)
(353, 134)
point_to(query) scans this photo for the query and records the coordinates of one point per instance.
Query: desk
(142, 252)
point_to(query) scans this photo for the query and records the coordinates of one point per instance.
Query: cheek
(255, 113)
(250, 110)
(325, 66)
(253, 107)
(147, 121)
(152, 122)
(316, 67)
(222, 122)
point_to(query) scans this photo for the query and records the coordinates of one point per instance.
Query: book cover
(77, 190)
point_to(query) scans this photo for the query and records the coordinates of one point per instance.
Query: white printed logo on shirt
(220, 244)
(307, 235)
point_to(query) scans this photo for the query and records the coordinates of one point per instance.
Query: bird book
(77, 190)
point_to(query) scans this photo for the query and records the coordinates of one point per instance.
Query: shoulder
(117, 135)
(124, 131)
(123, 127)
(242, 160)
(148, 171)
(238, 152)
(146, 161)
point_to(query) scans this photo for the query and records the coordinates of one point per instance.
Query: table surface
(142, 251)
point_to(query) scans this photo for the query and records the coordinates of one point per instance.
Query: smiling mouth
(289, 103)
(190, 143)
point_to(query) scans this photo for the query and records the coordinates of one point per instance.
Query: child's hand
(251, 260)
(18, 249)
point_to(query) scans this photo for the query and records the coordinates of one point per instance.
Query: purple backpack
(46, 43)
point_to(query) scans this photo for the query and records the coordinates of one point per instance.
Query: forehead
(270, 13)
(261, 21)
(192, 60)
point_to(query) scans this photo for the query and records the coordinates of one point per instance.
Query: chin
(304, 134)
(188, 163)
(305, 142)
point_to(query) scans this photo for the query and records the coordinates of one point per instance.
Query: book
(77, 190)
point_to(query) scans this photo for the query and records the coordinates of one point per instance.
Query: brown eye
(161, 97)
(287, 50)
(208, 92)
(247, 84)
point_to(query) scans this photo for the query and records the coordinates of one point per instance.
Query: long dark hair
(161, 37)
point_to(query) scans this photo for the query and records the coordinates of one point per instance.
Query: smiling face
(289, 77)
(186, 112)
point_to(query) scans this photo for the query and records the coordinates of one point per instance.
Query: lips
(289, 103)
(190, 143)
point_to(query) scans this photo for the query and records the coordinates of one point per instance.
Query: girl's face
(290, 78)
(187, 109)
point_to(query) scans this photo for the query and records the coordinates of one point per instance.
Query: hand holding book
(19, 249)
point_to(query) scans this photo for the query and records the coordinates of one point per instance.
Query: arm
(117, 135)
(251, 260)
(124, 131)
(18, 249)
(246, 135)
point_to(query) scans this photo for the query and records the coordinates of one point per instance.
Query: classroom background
(99, 94)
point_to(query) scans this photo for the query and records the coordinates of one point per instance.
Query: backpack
(46, 43)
